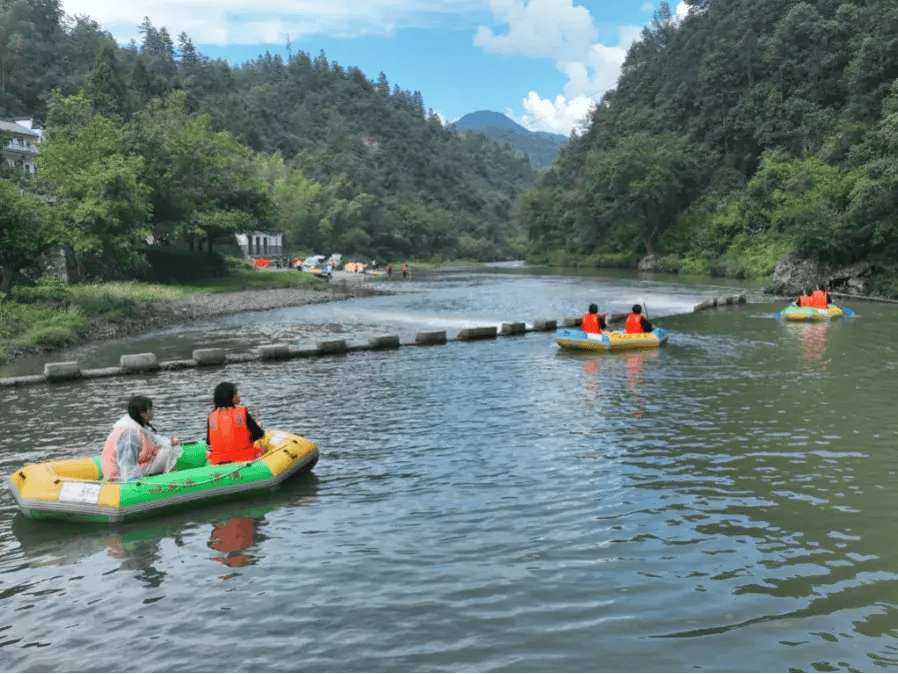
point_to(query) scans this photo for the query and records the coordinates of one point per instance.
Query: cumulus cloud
(553, 28)
(243, 22)
(559, 30)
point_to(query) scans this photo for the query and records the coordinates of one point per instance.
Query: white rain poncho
(129, 454)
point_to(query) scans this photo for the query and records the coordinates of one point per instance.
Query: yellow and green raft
(74, 489)
(814, 315)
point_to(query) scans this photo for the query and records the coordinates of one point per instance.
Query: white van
(312, 262)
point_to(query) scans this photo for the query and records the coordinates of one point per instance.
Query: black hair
(224, 394)
(593, 309)
(637, 308)
(138, 405)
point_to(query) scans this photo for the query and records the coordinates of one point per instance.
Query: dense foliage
(748, 130)
(156, 139)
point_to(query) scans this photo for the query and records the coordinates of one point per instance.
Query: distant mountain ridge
(486, 118)
(541, 147)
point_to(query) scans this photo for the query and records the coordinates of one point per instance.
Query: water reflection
(605, 373)
(811, 338)
(232, 539)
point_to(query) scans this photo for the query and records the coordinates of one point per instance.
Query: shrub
(47, 289)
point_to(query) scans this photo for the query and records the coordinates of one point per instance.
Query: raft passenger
(636, 322)
(134, 449)
(820, 298)
(231, 432)
(805, 299)
(593, 322)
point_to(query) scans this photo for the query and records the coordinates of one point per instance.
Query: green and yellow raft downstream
(814, 315)
(74, 489)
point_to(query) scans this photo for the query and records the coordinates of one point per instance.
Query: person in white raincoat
(134, 448)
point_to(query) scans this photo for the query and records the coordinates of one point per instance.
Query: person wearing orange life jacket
(231, 432)
(805, 300)
(636, 322)
(134, 449)
(593, 322)
(820, 298)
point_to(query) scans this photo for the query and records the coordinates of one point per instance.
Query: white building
(261, 244)
(21, 147)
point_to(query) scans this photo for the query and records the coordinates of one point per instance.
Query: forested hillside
(156, 138)
(747, 131)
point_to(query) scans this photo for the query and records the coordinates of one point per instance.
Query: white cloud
(558, 116)
(538, 28)
(242, 22)
(560, 30)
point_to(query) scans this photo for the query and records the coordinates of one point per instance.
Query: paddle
(645, 309)
(848, 312)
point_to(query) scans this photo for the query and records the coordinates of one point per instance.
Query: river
(724, 503)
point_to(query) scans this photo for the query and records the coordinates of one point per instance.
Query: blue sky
(541, 62)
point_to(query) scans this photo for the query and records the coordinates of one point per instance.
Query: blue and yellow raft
(610, 341)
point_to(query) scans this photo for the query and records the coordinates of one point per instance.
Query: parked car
(313, 263)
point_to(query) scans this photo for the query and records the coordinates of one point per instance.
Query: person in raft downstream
(804, 300)
(820, 298)
(134, 449)
(231, 432)
(593, 322)
(636, 322)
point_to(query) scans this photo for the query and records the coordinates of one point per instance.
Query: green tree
(101, 206)
(23, 230)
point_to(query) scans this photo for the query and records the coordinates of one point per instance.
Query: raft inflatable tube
(811, 314)
(610, 341)
(74, 489)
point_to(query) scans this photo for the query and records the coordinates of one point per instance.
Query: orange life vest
(819, 300)
(805, 301)
(590, 323)
(229, 436)
(634, 323)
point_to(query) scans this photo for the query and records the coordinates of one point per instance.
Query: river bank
(149, 316)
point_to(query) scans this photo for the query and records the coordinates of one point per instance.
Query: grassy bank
(52, 312)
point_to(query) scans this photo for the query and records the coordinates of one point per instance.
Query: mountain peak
(486, 118)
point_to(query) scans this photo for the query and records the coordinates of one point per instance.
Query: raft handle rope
(216, 477)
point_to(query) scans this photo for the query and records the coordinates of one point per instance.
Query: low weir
(147, 362)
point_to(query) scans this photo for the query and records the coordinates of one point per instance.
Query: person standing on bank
(134, 449)
(231, 432)
(593, 322)
(636, 322)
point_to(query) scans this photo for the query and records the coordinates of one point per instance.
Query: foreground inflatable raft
(610, 341)
(75, 489)
(811, 314)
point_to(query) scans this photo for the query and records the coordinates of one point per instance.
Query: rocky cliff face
(793, 275)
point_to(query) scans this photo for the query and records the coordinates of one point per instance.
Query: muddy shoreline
(144, 318)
